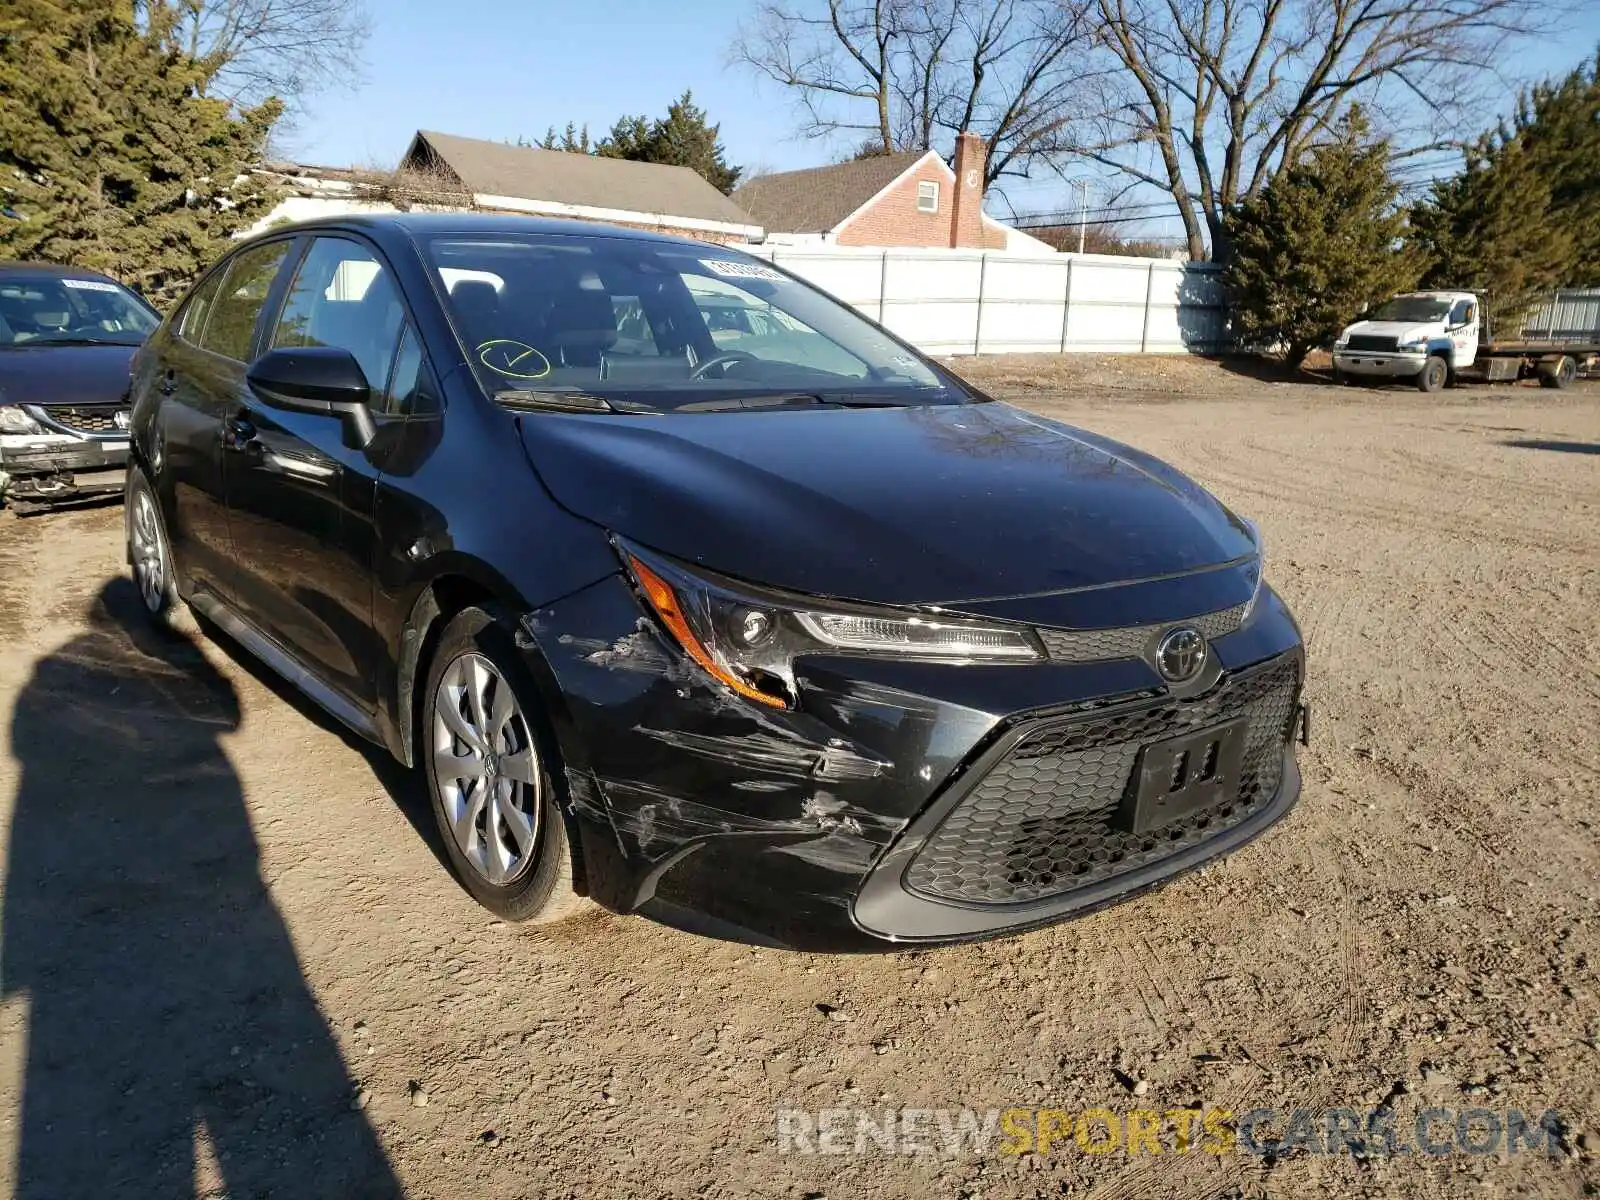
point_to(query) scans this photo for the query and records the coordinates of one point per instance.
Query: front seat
(477, 311)
(581, 327)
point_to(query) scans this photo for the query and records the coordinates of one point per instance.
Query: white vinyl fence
(992, 302)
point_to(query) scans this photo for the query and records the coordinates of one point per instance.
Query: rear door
(200, 374)
(300, 501)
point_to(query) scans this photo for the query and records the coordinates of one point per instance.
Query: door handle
(238, 434)
(169, 383)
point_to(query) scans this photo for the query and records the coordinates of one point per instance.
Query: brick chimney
(966, 213)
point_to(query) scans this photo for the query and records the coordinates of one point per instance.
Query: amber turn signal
(664, 601)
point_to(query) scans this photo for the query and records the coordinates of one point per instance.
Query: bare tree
(899, 74)
(283, 48)
(1218, 94)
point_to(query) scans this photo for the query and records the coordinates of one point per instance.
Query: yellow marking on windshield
(511, 354)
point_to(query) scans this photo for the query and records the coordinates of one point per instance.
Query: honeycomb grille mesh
(1131, 641)
(1041, 821)
(85, 420)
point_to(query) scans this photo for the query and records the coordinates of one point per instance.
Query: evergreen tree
(110, 155)
(1523, 216)
(573, 140)
(1319, 243)
(682, 138)
(630, 137)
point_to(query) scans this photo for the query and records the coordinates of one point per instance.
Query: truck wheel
(1433, 374)
(1559, 374)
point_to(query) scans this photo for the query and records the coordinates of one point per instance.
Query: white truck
(1439, 338)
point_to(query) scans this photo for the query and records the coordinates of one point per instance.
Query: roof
(818, 199)
(55, 269)
(436, 224)
(579, 180)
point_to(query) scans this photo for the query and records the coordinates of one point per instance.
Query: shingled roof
(817, 199)
(579, 180)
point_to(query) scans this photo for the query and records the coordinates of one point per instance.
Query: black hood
(64, 374)
(927, 505)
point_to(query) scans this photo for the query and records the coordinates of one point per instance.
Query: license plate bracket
(1184, 774)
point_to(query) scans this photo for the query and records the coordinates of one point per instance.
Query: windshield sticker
(739, 270)
(90, 285)
(514, 360)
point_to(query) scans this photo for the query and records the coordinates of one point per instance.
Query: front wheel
(489, 761)
(1433, 375)
(149, 552)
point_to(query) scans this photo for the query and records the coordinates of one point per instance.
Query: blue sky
(500, 70)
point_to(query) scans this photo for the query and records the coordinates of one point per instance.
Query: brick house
(913, 198)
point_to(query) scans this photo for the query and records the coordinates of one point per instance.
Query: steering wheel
(724, 360)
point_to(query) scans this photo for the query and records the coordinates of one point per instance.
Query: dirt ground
(233, 964)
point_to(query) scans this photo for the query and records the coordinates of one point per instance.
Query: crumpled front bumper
(48, 468)
(792, 828)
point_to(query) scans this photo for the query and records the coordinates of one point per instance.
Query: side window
(232, 323)
(1462, 313)
(198, 307)
(411, 391)
(343, 296)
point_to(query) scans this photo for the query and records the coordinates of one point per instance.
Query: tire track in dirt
(1328, 502)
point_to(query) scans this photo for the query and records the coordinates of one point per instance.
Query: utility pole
(1083, 209)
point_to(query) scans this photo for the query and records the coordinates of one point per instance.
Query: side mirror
(317, 379)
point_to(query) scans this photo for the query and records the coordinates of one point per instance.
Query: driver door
(1464, 328)
(300, 500)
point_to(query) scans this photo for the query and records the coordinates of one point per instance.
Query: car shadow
(165, 1005)
(1545, 444)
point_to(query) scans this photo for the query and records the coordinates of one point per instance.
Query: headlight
(1257, 567)
(14, 420)
(1343, 340)
(748, 638)
(1414, 346)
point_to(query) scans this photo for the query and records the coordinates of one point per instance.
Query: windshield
(660, 326)
(1411, 308)
(62, 310)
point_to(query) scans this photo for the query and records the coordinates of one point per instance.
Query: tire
(150, 553)
(489, 766)
(1562, 375)
(1434, 374)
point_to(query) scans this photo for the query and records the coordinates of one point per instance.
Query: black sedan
(800, 641)
(66, 338)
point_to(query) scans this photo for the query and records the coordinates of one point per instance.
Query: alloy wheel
(147, 552)
(487, 769)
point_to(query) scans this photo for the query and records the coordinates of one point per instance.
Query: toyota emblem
(1180, 655)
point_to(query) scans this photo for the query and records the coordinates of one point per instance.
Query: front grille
(1371, 341)
(87, 420)
(1131, 641)
(1043, 820)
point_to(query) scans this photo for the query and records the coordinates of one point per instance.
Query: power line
(1063, 220)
